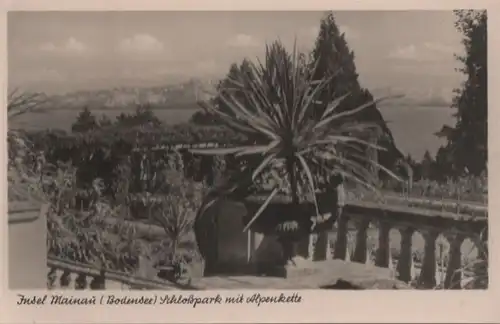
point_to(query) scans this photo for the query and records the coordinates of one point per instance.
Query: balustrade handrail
(443, 201)
(417, 217)
(418, 211)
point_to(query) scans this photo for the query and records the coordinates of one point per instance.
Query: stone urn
(281, 234)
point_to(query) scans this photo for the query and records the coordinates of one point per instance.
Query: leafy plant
(176, 215)
(19, 102)
(270, 103)
(477, 269)
(25, 165)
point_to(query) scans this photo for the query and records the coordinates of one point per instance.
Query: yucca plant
(271, 103)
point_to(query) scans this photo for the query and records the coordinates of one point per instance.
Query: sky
(409, 51)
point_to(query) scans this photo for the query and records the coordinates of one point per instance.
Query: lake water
(413, 127)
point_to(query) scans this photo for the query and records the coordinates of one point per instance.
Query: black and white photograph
(247, 150)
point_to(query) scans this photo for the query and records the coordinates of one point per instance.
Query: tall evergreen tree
(427, 166)
(85, 121)
(333, 58)
(467, 145)
(205, 118)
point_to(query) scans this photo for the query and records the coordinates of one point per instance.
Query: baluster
(329, 253)
(88, 281)
(405, 262)
(480, 268)
(440, 272)
(427, 278)
(340, 248)
(65, 279)
(360, 252)
(370, 256)
(383, 256)
(81, 282)
(391, 262)
(99, 282)
(52, 278)
(125, 286)
(73, 277)
(312, 246)
(413, 271)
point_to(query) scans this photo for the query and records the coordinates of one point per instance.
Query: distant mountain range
(182, 95)
(185, 96)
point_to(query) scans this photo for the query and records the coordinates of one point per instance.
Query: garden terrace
(406, 257)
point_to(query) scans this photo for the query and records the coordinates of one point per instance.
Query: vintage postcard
(242, 164)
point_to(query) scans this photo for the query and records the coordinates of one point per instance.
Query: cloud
(243, 40)
(428, 51)
(434, 69)
(70, 46)
(404, 53)
(141, 43)
(438, 47)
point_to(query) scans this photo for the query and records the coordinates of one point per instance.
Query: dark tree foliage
(105, 121)
(466, 151)
(333, 58)
(427, 166)
(85, 121)
(204, 118)
(143, 116)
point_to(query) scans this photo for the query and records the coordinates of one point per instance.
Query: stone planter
(27, 244)
(228, 250)
(291, 226)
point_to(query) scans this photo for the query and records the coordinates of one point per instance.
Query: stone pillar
(405, 262)
(453, 279)
(427, 278)
(360, 252)
(322, 247)
(340, 248)
(383, 255)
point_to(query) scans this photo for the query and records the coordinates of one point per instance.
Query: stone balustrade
(361, 218)
(69, 275)
(431, 224)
